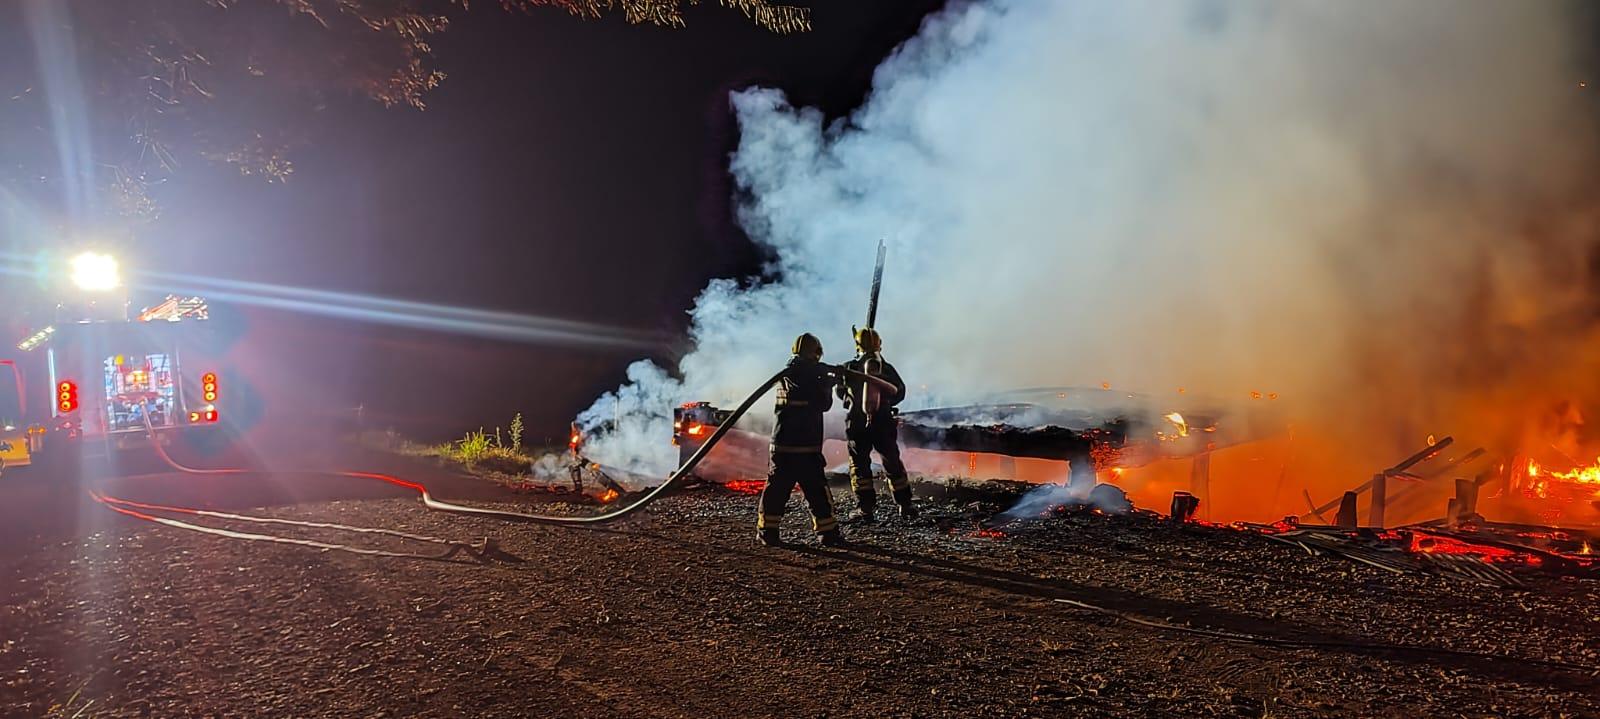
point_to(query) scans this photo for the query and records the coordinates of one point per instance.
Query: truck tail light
(66, 396)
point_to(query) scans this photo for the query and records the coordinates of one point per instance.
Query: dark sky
(565, 168)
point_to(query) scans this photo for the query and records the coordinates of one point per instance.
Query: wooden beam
(1380, 500)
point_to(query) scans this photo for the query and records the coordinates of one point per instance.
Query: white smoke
(1306, 197)
(1042, 499)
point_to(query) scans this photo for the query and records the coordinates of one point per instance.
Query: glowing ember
(1287, 524)
(989, 533)
(1433, 544)
(745, 486)
(1104, 455)
(610, 496)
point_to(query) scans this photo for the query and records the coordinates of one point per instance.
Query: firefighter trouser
(879, 434)
(807, 470)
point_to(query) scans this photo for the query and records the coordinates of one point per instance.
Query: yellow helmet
(868, 341)
(807, 345)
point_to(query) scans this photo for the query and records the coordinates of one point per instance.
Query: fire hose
(130, 508)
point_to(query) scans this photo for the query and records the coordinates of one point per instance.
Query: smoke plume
(1382, 212)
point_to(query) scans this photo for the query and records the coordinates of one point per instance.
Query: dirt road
(681, 614)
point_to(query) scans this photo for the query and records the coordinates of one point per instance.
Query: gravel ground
(680, 614)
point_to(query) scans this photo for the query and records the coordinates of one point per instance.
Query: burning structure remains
(1352, 283)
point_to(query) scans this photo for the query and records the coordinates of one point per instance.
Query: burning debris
(1482, 553)
(1580, 485)
(989, 533)
(745, 486)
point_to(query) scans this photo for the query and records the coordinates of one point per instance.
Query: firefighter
(871, 425)
(804, 394)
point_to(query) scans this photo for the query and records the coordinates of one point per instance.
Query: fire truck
(93, 378)
(692, 425)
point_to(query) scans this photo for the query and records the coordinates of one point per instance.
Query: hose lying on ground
(127, 507)
(269, 520)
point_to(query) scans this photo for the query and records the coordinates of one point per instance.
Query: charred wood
(1347, 510)
(1184, 506)
(1380, 500)
(1050, 442)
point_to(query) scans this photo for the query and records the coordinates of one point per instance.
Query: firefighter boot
(832, 538)
(768, 538)
(902, 497)
(866, 510)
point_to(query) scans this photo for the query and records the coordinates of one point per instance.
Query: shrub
(473, 447)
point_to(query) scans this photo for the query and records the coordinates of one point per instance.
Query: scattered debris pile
(1462, 546)
(1479, 554)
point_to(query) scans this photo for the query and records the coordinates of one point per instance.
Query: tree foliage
(118, 95)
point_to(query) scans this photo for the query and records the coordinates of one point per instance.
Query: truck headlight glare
(95, 272)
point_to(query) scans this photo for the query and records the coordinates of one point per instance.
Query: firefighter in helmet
(871, 426)
(804, 394)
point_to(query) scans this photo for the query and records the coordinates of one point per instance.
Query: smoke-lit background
(1382, 212)
(565, 168)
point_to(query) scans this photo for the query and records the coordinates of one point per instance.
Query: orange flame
(1178, 422)
(610, 495)
(1581, 475)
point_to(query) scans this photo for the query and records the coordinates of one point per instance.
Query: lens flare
(95, 272)
(422, 315)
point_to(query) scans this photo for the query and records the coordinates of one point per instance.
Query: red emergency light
(66, 396)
